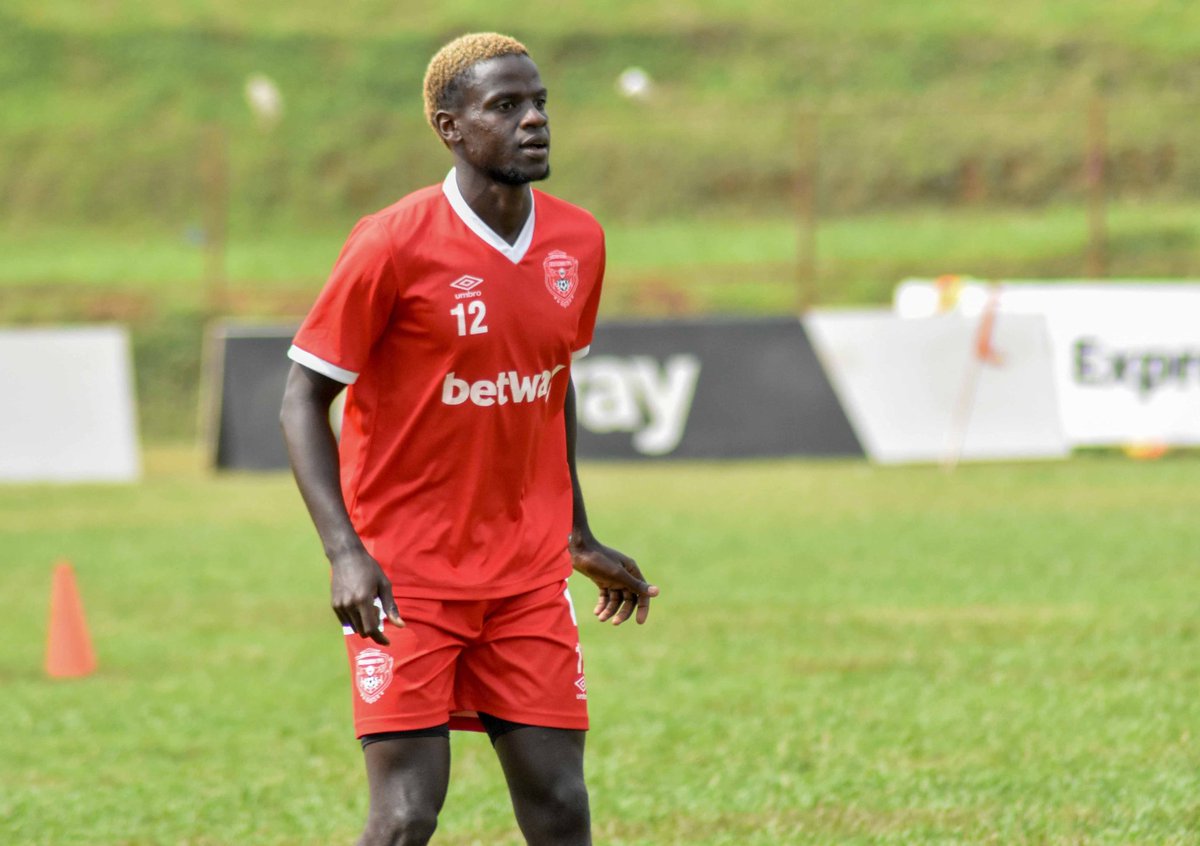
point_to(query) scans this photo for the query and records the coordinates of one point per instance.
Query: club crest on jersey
(372, 674)
(562, 276)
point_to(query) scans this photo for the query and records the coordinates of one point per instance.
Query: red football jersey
(457, 347)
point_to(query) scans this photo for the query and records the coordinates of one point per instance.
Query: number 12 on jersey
(477, 310)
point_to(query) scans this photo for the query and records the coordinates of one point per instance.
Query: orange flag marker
(68, 645)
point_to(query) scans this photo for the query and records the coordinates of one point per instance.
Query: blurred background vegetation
(784, 155)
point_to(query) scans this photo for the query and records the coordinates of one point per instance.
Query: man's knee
(562, 806)
(400, 827)
(570, 794)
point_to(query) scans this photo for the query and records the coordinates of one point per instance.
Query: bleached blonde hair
(448, 65)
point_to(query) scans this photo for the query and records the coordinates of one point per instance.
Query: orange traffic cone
(68, 646)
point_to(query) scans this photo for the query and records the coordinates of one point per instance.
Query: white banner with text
(1126, 355)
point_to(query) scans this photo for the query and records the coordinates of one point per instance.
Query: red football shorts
(517, 658)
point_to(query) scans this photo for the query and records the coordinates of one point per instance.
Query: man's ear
(446, 125)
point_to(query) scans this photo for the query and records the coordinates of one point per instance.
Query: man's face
(502, 124)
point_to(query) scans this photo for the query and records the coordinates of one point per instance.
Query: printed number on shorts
(477, 310)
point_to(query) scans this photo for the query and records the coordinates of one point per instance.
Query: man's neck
(504, 208)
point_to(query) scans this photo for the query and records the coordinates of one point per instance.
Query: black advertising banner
(707, 388)
(252, 368)
(704, 388)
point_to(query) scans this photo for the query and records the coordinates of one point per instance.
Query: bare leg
(408, 778)
(544, 770)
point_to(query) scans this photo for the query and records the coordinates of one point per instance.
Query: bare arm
(358, 579)
(622, 587)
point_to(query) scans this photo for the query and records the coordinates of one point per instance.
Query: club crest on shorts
(562, 276)
(372, 674)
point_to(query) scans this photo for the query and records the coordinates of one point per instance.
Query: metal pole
(1096, 265)
(807, 190)
(214, 171)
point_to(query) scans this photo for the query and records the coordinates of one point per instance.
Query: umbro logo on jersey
(467, 285)
(508, 386)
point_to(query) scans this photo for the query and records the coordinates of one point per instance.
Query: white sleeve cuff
(320, 365)
(580, 353)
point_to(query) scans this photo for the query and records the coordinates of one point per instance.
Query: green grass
(108, 111)
(1149, 25)
(706, 264)
(842, 654)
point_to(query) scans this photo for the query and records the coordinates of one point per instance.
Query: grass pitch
(842, 654)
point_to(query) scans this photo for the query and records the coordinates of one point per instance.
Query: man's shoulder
(415, 206)
(557, 210)
(404, 224)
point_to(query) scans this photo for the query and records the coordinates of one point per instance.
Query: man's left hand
(623, 589)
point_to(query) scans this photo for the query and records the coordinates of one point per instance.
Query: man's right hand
(358, 581)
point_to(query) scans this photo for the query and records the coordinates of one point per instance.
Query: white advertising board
(915, 390)
(69, 412)
(1126, 354)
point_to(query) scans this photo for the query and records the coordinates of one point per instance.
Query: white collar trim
(512, 252)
